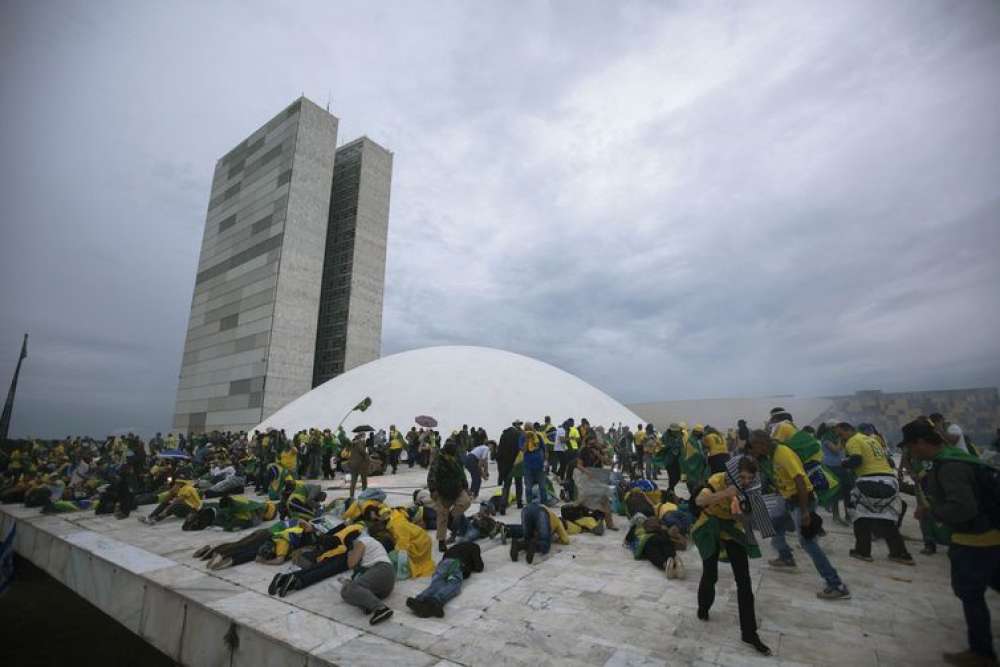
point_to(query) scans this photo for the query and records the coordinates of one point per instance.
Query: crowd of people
(741, 486)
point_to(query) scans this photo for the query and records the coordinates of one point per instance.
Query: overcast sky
(671, 200)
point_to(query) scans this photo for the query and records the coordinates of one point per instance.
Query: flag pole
(360, 407)
(8, 406)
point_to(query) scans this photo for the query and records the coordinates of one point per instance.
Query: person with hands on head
(373, 580)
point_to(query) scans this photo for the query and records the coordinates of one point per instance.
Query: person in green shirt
(962, 494)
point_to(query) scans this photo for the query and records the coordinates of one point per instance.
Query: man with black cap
(963, 494)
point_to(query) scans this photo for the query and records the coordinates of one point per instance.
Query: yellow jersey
(787, 467)
(874, 459)
(714, 444)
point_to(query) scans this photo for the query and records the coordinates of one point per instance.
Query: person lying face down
(456, 566)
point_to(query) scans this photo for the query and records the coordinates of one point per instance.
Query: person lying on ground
(457, 565)
(373, 580)
(331, 560)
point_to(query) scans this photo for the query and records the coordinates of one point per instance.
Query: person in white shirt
(560, 449)
(373, 581)
(477, 462)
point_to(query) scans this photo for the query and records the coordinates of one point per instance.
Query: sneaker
(289, 583)
(203, 551)
(968, 659)
(929, 550)
(782, 564)
(599, 528)
(860, 556)
(903, 560)
(529, 552)
(436, 609)
(222, 563)
(276, 582)
(515, 549)
(381, 614)
(418, 606)
(831, 593)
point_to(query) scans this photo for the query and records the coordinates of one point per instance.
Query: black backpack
(987, 493)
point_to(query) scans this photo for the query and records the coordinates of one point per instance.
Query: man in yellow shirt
(790, 479)
(874, 506)
(396, 445)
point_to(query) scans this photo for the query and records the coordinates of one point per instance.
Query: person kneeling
(374, 578)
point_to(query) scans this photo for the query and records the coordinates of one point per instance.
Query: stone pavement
(588, 603)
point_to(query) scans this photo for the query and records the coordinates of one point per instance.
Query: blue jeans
(811, 547)
(445, 584)
(472, 465)
(535, 525)
(973, 570)
(532, 477)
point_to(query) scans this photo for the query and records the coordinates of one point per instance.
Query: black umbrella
(364, 428)
(425, 421)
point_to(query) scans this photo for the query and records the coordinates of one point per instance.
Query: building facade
(350, 309)
(252, 333)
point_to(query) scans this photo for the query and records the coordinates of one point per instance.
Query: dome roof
(456, 385)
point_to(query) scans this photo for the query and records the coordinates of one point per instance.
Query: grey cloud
(670, 201)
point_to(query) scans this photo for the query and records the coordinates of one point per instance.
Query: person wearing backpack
(963, 494)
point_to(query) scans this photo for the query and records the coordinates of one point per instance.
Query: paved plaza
(588, 603)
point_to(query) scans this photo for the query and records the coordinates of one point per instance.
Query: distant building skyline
(282, 239)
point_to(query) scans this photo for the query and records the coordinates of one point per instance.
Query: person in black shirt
(457, 564)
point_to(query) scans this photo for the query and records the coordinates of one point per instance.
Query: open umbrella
(425, 421)
(364, 428)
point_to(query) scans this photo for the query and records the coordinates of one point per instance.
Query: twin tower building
(288, 292)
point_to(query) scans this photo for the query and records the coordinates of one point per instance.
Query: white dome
(456, 385)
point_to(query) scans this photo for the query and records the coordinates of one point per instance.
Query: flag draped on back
(8, 407)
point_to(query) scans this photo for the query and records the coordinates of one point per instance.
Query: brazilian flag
(363, 405)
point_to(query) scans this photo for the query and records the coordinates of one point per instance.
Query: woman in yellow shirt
(718, 527)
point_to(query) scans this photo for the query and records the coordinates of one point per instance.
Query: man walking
(790, 480)
(963, 495)
(875, 506)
